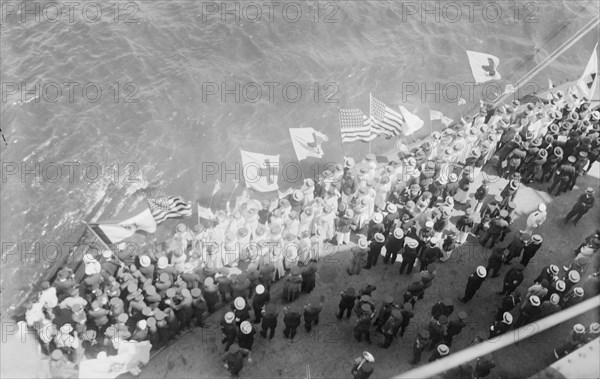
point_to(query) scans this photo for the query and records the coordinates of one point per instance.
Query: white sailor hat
(398, 233)
(229, 317)
(507, 318)
(481, 272)
(378, 218)
(579, 328)
(578, 291)
(534, 300)
(368, 356)
(246, 327)
(239, 303)
(260, 289)
(560, 285)
(362, 243)
(443, 349)
(574, 276)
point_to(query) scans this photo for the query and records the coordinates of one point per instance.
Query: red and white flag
(484, 66)
(307, 142)
(125, 226)
(589, 79)
(261, 171)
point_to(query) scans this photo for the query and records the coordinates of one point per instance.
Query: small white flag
(446, 120)
(413, 122)
(217, 187)
(484, 66)
(435, 115)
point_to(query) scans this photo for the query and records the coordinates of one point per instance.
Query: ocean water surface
(162, 123)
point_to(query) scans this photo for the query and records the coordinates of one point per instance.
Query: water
(162, 62)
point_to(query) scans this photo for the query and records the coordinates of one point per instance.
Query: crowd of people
(399, 210)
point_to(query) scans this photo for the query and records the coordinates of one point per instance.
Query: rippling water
(163, 61)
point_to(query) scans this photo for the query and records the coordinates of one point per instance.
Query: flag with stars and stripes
(355, 126)
(163, 208)
(386, 121)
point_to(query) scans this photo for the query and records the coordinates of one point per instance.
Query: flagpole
(370, 102)
(232, 192)
(341, 141)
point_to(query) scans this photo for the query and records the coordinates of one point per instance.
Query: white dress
(305, 223)
(328, 220)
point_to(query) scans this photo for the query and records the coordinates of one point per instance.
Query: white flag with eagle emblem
(260, 171)
(589, 79)
(307, 142)
(484, 66)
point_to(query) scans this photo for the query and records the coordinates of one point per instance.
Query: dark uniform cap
(351, 291)
(443, 320)
(396, 313)
(407, 307)
(388, 299)
(424, 334)
(462, 315)
(365, 307)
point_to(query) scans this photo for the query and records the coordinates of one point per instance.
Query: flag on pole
(484, 66)
(114, 231)
(216, 188)
(355, 126)
(260, 171)
(205, 213)
(167, 207)
(307, 142)
(437, 115)
(589, 79)
(413, 122)
(385, 120)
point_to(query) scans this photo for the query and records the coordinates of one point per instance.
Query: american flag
(163, 208)
(355, 126)
(385, 120)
